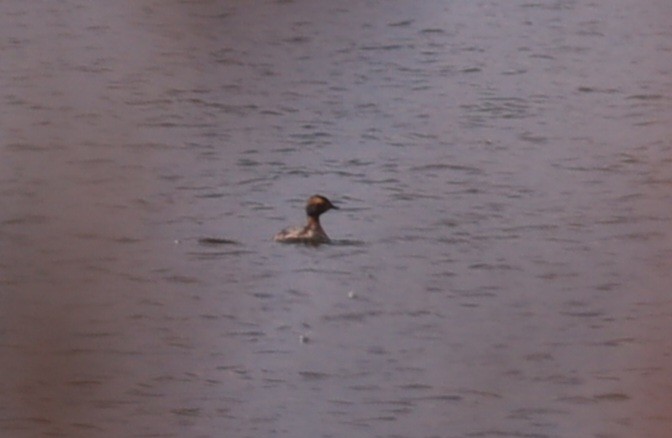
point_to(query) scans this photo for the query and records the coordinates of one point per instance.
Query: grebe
(312, 233)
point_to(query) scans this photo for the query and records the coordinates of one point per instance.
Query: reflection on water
(500, 265)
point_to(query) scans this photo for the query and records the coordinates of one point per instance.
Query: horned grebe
(312, 233)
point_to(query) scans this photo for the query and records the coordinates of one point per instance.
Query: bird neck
(314, 222)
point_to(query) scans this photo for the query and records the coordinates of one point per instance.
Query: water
(501, 264)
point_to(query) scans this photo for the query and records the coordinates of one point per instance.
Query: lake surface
(502, 256)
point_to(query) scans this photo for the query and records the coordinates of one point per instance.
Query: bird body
(312, 232)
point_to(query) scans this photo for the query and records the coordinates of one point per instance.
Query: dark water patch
(441, 275)
(210, 316)
(314, 375)
(409, 238)
(193, 188)
(514, 72)
(297, 293)
(606, 287)
(285, 150)
(305, 244)
(215, 241)
(649, 122)
(274, 352)
(312, 138)
(97, 335)
(507, 433)
(297, 171)
(494, 267)
(383, 47)
(492, 108)
(617, 342)
(214, 255)
(246, 333)
(174, 125)
(534, 139)
(377, 350)
(612, 397)
(518, 232)
(403, 23)
(269, 112)
(614, 167)
(400, 195)
(617, 220)
(352, 316)
(248, 162)
(27, 147)
(356, 162)
(642, 236)
(260, 180)
(441, 398)
(182, 279)
(263, 295)
(186, 412)
(365, 387)
(416, 387)
(298, 39)
(447, 167)
(481, 394)
(348, 242)
(584, 314)
(658, 181)
(388, 181)
(645, 97)
(86, 426)
(84, 383)
(432, 30)
(480, 292)
(587, 89)
(212, 195)
(345, 173)
(532, 413)
(539, 357)
(29, 219)
(69, 352)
